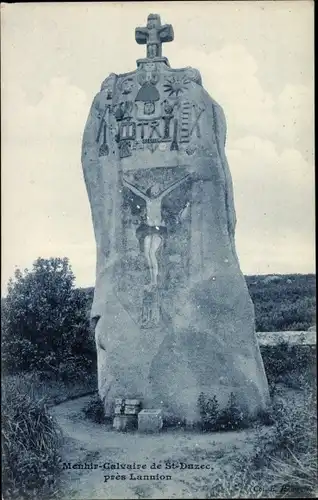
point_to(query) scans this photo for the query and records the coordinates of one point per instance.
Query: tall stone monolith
(172, 314)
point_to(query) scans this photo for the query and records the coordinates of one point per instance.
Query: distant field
(283, 302)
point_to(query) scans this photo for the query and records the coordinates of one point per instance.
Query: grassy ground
(31, 438)
(276, 461)
(49, 390)
(281, 456)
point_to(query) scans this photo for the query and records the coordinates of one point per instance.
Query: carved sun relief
(175, 86)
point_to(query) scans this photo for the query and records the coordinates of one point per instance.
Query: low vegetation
(232, 417)
(289, 364)
(284, 461)
(31, 443)
(48, 356)
(283, 302)
(94, 410)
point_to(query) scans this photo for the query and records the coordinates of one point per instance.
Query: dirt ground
(212, 455)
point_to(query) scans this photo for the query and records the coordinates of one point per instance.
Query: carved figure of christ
(155, 224)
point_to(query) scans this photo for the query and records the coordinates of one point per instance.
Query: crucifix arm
(141, 35)
(135, 190)
(173, 186)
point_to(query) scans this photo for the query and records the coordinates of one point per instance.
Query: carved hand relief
(108, 86)
(126, 86)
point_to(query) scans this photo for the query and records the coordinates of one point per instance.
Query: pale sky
(256, 61)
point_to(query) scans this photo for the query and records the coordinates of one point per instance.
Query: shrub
(44, 323)
(209, 411)
(290, 364)
(94, 410)
(232, 417)
(30, 446)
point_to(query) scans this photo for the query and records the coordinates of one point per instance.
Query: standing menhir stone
(172, 313)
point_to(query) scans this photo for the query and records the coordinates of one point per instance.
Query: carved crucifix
(154, 35)
(151, 236)
(153, 231)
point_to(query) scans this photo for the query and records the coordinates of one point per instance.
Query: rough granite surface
(172, 314)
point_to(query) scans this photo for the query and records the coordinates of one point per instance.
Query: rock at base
(125, 423)
(132, 406)
(150, 420)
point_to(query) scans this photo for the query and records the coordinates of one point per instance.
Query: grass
(31, 439)
(283, 463)
(51, 391)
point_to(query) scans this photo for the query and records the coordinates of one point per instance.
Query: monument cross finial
(154, 35)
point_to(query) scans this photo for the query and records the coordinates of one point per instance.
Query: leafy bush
(30, 445)
(289, 364)
(94, 410)
(232, 417)
(45, 324)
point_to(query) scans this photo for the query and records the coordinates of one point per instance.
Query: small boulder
(150, 420)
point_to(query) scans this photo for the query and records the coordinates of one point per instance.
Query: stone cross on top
(154, 35)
